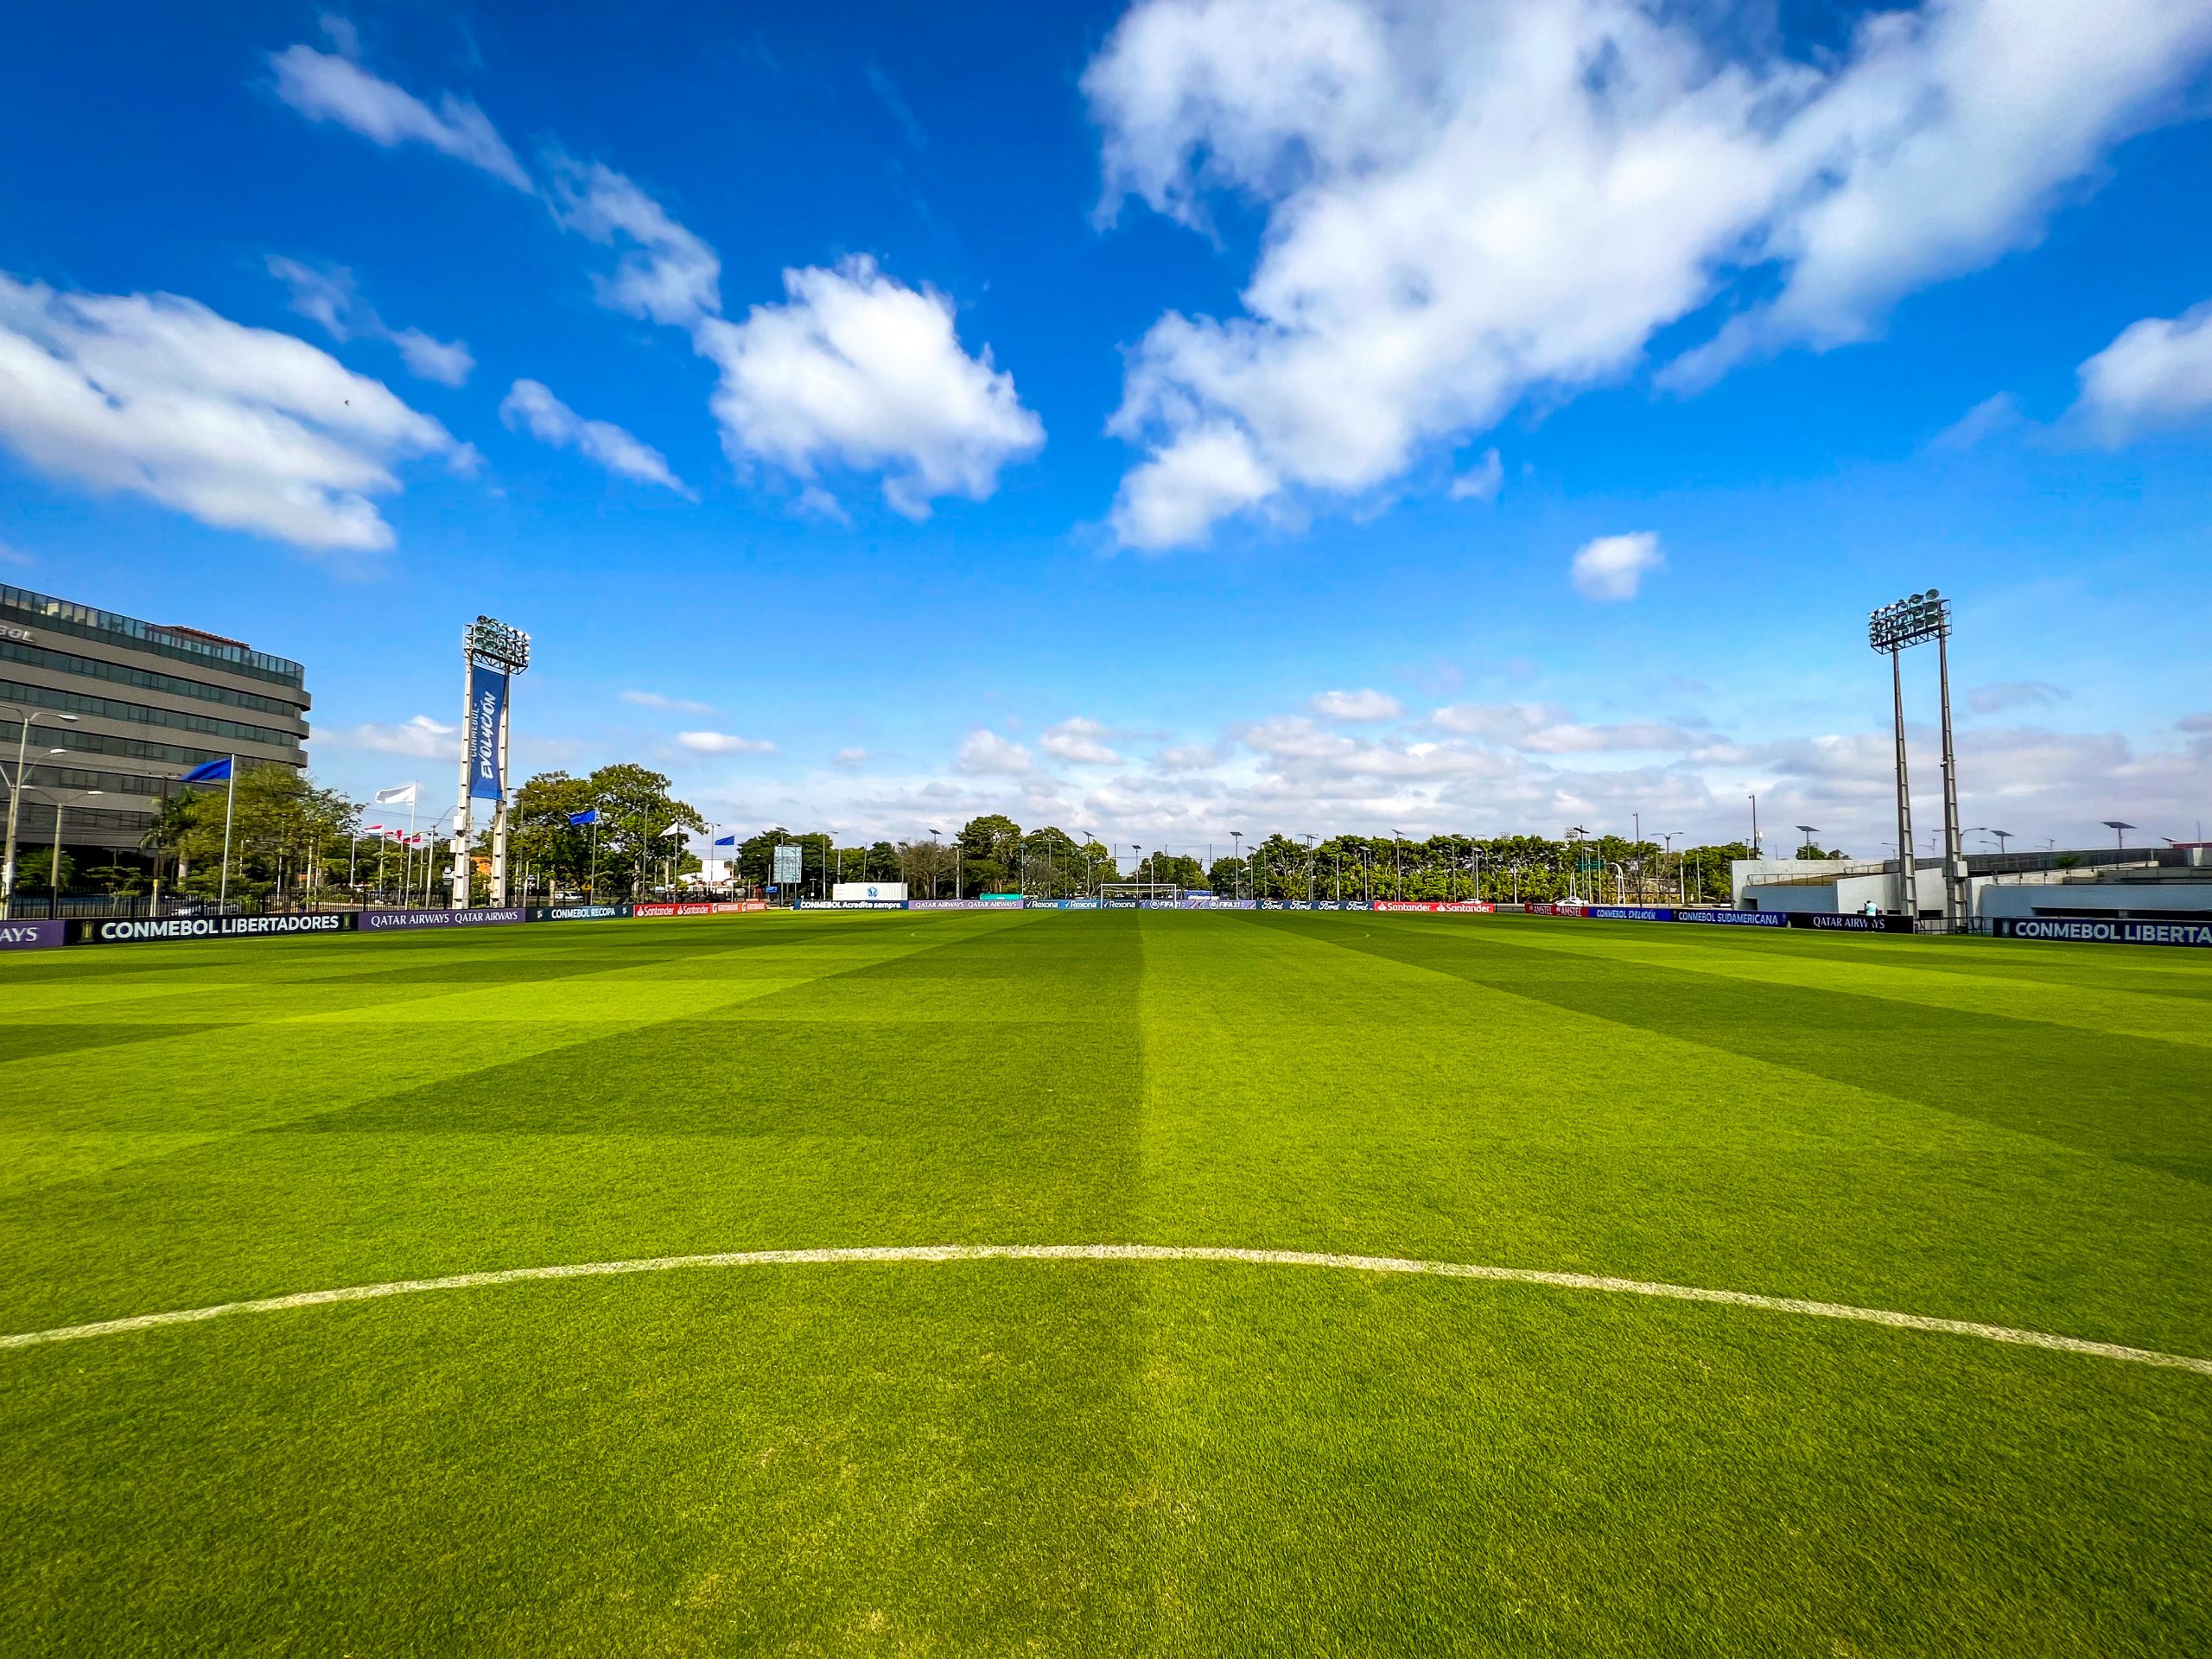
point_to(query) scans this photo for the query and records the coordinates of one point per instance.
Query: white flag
(673, 829)
(403, 796)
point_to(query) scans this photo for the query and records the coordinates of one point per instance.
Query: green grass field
(1156, 1457)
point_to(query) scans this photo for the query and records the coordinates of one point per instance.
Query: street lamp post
(1809, 832)
(2120, 831)
(25, 719)
(54, 870)
(1236, 854)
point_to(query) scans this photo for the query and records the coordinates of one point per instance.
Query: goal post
(1141, 892)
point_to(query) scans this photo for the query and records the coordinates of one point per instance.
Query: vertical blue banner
(487, 704)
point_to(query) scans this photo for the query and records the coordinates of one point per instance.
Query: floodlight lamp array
(1911, 621)
(497, 642)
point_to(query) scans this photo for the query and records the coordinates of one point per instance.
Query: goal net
(1137, 893)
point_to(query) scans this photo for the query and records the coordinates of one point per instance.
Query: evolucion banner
(488, 706)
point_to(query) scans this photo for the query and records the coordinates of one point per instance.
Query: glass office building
(151, 703)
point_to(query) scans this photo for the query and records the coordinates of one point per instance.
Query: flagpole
(230, 811)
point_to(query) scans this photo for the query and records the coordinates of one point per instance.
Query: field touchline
(926, 1253)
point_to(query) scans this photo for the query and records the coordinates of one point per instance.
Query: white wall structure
(2047, 898)
(879, 890)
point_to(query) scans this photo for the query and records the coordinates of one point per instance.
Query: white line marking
(1129, 1253)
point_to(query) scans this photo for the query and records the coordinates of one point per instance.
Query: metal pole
(1908, 897)
(459, 899)
(1955, 894)
(230, 813)
(500, 808)
(14, 795)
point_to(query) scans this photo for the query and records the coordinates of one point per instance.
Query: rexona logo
(158, 929)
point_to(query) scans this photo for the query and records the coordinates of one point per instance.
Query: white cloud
(654, 700)
(2014, 694)
(1356, 705)
(665, 274)
(329, 297)
(530, 404)
(1546, 769)
(324, 87)
(1546, 728)
(1989, 418)
(1481, 481)
(849, 757)
(15, 555)
(2157, 373)
(724, 743)
(244, 428)
(1613, 567)
(1173, 498)
(853, 370)
(986, 753)
(1467, 202)
(1080, 741)
(856, 370)
(420, 736)
(446, 361)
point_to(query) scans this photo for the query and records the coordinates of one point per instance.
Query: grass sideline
(1106, 1455)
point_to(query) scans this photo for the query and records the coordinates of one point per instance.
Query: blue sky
(879, 415)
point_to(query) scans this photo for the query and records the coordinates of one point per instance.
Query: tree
(34, 870)
(1170, 869)
(280, 834)
(540, 835)
(990, 852)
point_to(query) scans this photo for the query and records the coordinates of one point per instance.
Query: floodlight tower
(491, 654)
(1895, 629)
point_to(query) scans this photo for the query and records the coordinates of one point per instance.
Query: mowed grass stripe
(2105, 1092)
(701, 1129)
(1926, 973)
(1478, 1116)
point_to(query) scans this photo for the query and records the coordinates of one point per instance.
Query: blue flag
(725, 841)
(592, 816)
(208, 771)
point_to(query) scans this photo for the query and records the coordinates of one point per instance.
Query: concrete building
(2172, 883)
(149, 702)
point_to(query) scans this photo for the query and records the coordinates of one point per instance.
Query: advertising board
(388, 921)
(1735, 918)
(893, 891)
(578, 912)
(2086, 929)
(33, 936)
(172, 929)
(695, 907)
(1557, 909)
(964, 904)
(1064, 903)
(1453, 907)
(786, 868)
(849, 904)
(1628, 913)
(1851, 922)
